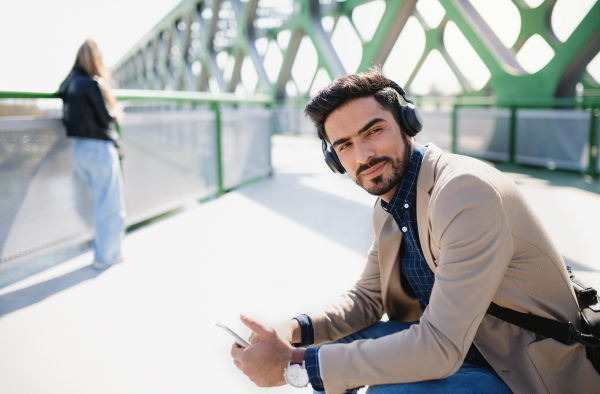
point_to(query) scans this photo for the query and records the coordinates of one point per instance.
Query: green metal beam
(392, 22)
(328, 57)
(151, 61)
(497, 58)
(535, 21)
(285, 72)
(571, 58)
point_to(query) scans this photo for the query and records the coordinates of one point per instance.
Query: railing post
(118, 129)
(453, 131)
(216, 107)
(269, 107)
(593, 151)
(512, 136)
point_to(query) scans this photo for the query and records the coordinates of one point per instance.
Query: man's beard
(380, 185)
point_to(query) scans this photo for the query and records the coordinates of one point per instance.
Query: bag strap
(562, 332)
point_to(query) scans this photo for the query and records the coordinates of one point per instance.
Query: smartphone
(235, 336)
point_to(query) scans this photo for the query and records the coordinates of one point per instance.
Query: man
(452, 235)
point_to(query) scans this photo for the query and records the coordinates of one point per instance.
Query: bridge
(148, 325)
(220, 168)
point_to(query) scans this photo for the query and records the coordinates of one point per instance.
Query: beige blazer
(484, 243)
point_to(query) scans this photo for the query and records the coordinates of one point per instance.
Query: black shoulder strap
(547, 327)
(566, 333)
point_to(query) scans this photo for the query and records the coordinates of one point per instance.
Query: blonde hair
(89, 57)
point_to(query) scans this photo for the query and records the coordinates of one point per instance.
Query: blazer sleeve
(468, 223)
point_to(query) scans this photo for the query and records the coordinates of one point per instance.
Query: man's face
(370, 145)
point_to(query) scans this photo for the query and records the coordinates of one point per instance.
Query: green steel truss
(206, 46)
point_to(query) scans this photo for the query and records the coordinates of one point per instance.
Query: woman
(89, 116)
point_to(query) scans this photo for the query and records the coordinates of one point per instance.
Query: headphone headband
(401, 91)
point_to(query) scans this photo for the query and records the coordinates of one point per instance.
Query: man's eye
(374, 131)
(344, 146)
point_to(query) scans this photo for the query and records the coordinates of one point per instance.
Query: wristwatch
(295, 373)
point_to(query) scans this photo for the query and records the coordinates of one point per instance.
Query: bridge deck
(147, 325)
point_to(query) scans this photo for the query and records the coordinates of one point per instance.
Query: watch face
(296, 375)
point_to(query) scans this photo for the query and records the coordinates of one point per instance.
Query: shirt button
(404, 229)
(405, 205)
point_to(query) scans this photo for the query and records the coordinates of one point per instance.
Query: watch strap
(298, 356)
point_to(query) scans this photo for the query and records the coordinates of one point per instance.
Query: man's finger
(261, 330)
(236, 351)
(254, 338)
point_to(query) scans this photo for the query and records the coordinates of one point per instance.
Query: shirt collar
(406, 191)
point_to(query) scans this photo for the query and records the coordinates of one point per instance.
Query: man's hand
(264, 361)
(288, 330)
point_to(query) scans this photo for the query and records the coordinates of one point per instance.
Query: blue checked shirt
(403, 209)
(416, 272)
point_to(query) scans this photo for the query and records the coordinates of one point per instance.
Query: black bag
(589, 336)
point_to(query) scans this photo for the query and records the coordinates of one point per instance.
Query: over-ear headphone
(331, 158)
(411, 118)
(411, 122)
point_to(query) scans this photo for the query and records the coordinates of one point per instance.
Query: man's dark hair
(371, 83)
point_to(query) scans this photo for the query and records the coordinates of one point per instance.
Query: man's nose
(364, 153)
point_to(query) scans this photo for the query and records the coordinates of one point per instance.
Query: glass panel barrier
(290, 119)
(246, 145)
(437, 129)
(44, 205)
(169, 159)
(597, 146)
(483, 132)
(553, 138)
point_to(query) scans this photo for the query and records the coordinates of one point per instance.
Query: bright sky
(39, 38)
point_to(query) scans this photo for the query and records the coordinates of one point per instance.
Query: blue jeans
(470, 378)
(97, 162)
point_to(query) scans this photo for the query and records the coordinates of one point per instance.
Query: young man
(452, 235)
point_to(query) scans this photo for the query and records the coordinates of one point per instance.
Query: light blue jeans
(97, 162)
(470, 378)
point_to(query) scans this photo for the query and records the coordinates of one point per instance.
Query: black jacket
(85, 113)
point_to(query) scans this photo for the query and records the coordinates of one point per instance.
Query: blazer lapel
(425, 183)
(389, 239)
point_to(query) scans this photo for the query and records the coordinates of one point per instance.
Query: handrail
(180, 96)
(204, 97)
(266, 99)
(465, 101)
(27, 95)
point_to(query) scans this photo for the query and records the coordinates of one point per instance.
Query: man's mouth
(374, 170)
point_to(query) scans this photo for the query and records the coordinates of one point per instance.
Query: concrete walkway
(148, 325)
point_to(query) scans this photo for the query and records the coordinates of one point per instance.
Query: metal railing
(179, 147)
(551, 133)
